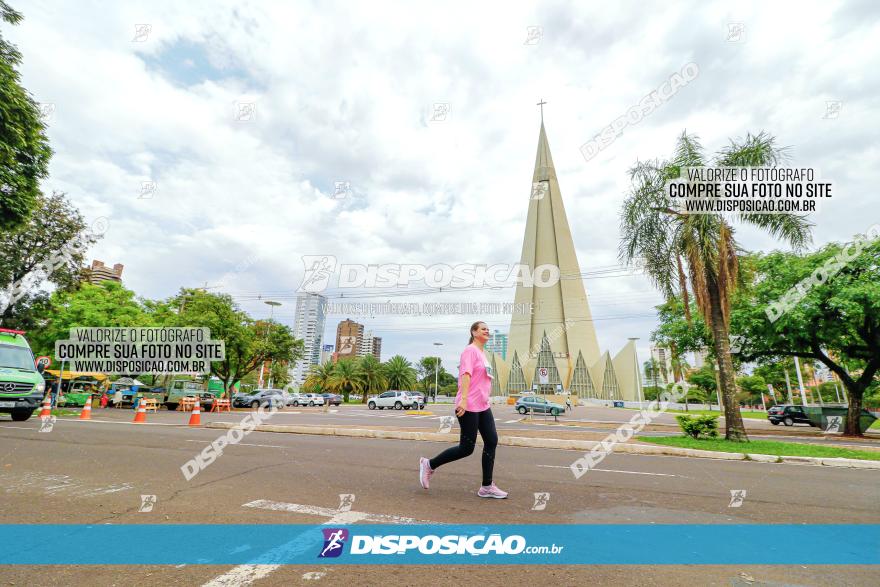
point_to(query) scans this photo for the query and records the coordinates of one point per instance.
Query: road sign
(543, 375)
(45, 361)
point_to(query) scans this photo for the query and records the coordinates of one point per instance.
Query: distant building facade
(308, 325)
(497, 343)
(99, 272)
(371, 345)
(349, 338)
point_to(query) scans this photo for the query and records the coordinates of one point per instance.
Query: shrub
(696, 426)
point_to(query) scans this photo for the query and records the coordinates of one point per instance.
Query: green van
(21, 382)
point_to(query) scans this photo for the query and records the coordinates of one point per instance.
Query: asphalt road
(95, 472)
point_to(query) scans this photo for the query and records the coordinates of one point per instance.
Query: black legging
(470, 423)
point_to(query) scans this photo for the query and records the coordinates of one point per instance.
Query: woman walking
(473, 413)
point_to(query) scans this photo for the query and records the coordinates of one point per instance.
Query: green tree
(399, 373)
(698, 253)
(49, 247)
(347, 378)
(752, 387)
(24, 147)
(107, 304)
(705, 383)
(681, 332)
(248, 343)
(426, 372)
(319, 378)
(836, 321)
(371, 375)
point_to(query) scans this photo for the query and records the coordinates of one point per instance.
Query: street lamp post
(436, 370)
(271, 305)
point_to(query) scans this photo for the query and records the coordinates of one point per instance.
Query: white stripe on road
(312, 510)
(244, 575)
(511, 421)
(614, 471)
(241, 444)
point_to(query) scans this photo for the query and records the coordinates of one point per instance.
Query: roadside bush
(697, 426)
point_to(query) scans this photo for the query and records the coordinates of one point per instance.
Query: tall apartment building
(371, 345)
(349, 338)
(99, 272)
(497, 343)
(308, 325)
(663, 361)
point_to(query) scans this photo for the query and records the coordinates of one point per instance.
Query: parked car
(313, 399)
(539, 405)
(788, 415)
(394, 399)
(332, 398)
(242, 400)
(420, 397)
(268, 397)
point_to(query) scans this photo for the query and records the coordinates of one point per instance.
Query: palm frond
(791, 228)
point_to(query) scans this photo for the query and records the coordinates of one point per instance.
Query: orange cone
(195, 418)
(141, 416)
(86, 413)
(47, 407)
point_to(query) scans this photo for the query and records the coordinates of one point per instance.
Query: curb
(557, 443)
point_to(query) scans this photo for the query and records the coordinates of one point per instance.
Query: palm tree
(372, 376)
(319, 377)
(698, 251)
(346, 378)
(399, 373)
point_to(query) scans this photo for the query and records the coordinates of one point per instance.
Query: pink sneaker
(425, 472)
(492, 491)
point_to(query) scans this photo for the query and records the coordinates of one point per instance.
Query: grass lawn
(745, 414)
(764, 447)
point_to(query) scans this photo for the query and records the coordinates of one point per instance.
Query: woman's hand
(460, 408)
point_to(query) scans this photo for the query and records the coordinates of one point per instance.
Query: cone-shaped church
(556, 348)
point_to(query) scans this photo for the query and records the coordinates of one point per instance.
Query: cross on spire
(541, 104)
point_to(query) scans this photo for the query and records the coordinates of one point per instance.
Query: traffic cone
(195, 418)
(47, 407)
(86, 413)
(141, 416)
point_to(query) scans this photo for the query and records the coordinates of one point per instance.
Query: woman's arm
(461, 408)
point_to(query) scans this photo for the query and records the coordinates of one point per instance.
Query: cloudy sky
(245, 115)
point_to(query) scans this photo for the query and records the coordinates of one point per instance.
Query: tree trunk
(854, 411)
(734, 428)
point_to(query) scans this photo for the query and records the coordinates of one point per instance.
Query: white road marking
(511, 421)
(241, 444)
(336, 516)
(614, 471)
(20, 427)
(244, 575)
(118, 422)
(52, 484)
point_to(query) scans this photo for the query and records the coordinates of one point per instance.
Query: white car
(306, 399)
(394, 399)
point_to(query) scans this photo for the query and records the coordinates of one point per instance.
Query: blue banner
(618, 544)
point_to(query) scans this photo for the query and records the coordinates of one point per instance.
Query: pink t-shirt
(474, 363)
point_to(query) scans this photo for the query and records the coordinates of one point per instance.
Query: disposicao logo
(334, 540)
